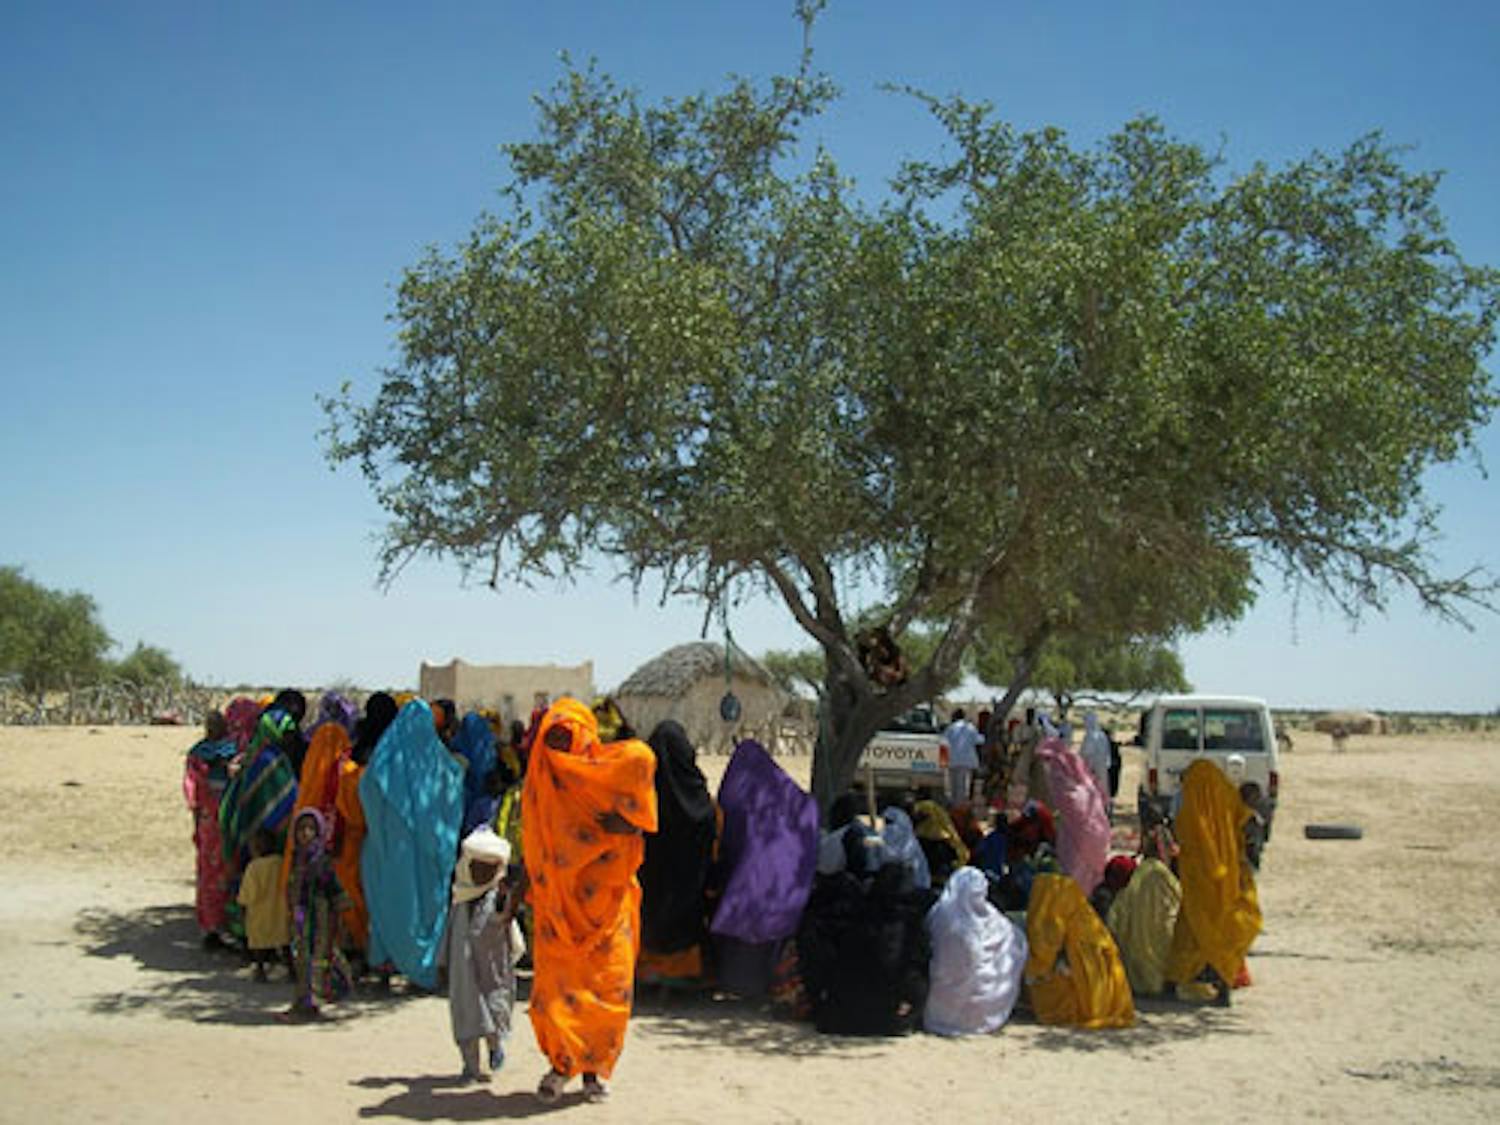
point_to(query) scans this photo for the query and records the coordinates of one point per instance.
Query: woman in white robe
(978, 956)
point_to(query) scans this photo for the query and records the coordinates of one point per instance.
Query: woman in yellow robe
(1220, 914)
(584, 807)
(1142, 918)
(1073, 971)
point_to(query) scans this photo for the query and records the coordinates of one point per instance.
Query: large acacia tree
(686, 346)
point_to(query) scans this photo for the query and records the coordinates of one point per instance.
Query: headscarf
(264, 791)
(966, 824)
(318, 787)
(831, 855)
(475, 743)
(1031, 828)
(334, 707)
(240, 717)
(978, 957)
(679, 854)
(1083, 834)
(769, 849)
(934, 823)
(210, 757)
(612, 724)
(293, 702)
(483, 845)
(380, 713)
(216, 746)
(1220, 914)
(901, 847)
(316, 848)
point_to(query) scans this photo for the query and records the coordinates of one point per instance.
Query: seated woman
(1073, 972)
(1032, 827)
(940, 841)
(978, 956)
(863, 953)
(900, 845)
(992, 853)
(1142, 919)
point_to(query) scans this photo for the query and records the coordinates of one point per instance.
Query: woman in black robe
(864, 952)
(679, 859)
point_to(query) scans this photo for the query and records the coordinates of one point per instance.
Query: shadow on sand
(187, 982)
(690, 1022)
(430, 1097)
(1158, 1022)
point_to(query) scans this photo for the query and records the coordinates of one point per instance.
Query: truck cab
(909, 753)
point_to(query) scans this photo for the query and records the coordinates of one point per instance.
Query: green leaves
(1039, 386)
(48, 637)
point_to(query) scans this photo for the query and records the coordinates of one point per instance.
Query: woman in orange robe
(584, 807)
(380, 712)
(347, 845)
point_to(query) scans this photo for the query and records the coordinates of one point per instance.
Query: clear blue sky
(204, 207)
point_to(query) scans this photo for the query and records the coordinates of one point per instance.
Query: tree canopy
(1033, 383)
(147, 666)
(1082, 665)
(48, 638)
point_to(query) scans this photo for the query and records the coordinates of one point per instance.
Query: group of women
(920, 918)
(638, 873)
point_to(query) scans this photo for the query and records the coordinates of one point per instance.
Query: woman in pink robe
(204, 777)
(1082, 819)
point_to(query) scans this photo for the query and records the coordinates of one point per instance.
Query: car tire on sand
(1333, 831)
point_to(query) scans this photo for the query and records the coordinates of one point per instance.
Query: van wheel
(1333, 832)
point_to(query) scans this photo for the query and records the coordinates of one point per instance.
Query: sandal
(594, 1090)
(551, 1086)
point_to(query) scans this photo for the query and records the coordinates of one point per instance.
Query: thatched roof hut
(687, 682)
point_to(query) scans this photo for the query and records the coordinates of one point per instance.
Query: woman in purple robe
(769, 854)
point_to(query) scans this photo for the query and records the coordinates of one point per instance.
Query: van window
(1233, 729)
(1179, 729)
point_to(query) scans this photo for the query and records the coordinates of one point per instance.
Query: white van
(1236, 733)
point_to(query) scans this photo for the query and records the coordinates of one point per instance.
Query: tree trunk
(849, 715)
(1020, 680)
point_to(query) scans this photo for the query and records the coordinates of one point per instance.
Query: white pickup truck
(909, 754)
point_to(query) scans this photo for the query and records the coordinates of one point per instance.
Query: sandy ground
(1374, 996)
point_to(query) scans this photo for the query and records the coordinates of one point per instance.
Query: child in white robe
(479, 950)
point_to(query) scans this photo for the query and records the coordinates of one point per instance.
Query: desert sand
(1374, 995)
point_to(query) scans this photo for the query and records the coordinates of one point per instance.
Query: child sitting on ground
(479, 950)
(315, 905)
(265, 908)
